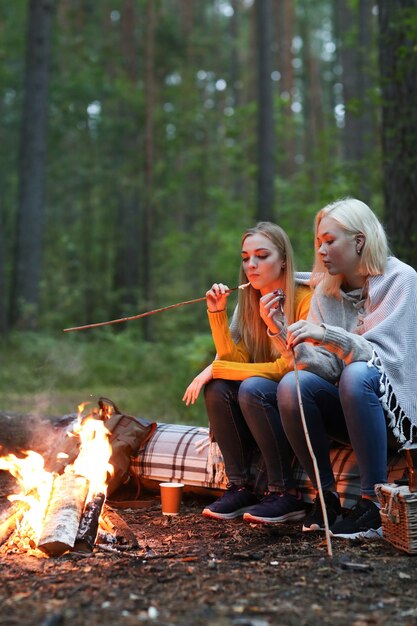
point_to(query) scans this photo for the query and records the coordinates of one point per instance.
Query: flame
(92, 461)
(34, 484)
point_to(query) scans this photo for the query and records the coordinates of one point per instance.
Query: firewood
(124, 534)
(88, 528)
(63, 515)
(9, 520)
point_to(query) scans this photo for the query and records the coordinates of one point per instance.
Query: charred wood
(118, 527)
(88, 528)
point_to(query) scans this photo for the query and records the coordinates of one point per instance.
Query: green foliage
(51, 375)
(202, 192)
(204, 169)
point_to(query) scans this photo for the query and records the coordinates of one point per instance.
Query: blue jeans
(349, 413)
(244, 416)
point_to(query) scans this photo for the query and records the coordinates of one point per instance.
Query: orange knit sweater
(233, 361)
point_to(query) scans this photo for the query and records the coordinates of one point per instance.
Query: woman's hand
(304, 331)
(193, 390)
(217, 297)
(271, 311)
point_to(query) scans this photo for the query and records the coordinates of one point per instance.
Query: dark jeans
(350, 413)
(243, 416)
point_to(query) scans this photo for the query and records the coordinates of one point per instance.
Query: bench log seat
(183, 453)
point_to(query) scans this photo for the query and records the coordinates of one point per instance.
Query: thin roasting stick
(136, 317)
(316, 469)
(280, 305)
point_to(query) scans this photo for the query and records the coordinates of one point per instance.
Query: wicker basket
(399, 516)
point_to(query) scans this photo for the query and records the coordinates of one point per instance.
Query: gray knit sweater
(380, 329)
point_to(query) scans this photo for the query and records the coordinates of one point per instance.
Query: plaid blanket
(184, 453)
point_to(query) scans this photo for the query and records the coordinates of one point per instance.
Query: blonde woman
(356, 353)
(241, 383)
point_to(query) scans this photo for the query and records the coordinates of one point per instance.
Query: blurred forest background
(139, 138)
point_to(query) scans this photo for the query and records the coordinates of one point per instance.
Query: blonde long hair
(355, 218)
(252, 328)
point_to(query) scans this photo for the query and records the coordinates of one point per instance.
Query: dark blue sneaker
(276, 508)
(363, 521)
(233, 503)
(314, 520)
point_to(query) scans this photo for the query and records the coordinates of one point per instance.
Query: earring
(358, 251)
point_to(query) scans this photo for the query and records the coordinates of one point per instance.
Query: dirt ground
(191, 571)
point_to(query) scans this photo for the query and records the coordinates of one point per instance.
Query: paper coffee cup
(171, 494)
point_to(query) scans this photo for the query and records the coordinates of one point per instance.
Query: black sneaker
(276, 508)
(314, 519)
(363, 521)
(233, 503)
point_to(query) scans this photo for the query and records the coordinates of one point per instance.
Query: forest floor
(191, 571)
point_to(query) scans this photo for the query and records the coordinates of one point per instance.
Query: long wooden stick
(136, 317)
(313, 457)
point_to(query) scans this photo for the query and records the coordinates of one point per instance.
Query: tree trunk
(285, 32)
(187, 21)
(126, 267)
(149, 163)
(347, 46)
(398, 70)
(28, 247)
(3, 299)
(367, 127)
(266, 129)
(128, 233)
(355, 52)
(312, 101)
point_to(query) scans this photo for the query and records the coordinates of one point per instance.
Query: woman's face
(338, 249)
(262, 263)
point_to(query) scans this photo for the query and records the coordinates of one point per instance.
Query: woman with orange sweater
(241, 383)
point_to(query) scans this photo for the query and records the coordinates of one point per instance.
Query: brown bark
(118, 527)
(128, 43)
(187, 20)
(127, 255)
(398, 70)
(149, 160)
(266, 130)
(346, 26)
(312, 98)
(354, 26)
(28, 247)
(285, 32)
(3, 300)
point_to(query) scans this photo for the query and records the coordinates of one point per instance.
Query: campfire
(61, 508)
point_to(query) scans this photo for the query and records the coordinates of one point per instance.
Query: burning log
(88, 528)
(118, 527)
(62, 520)
(14, 515)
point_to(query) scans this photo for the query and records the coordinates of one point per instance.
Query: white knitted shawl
(390, 325)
